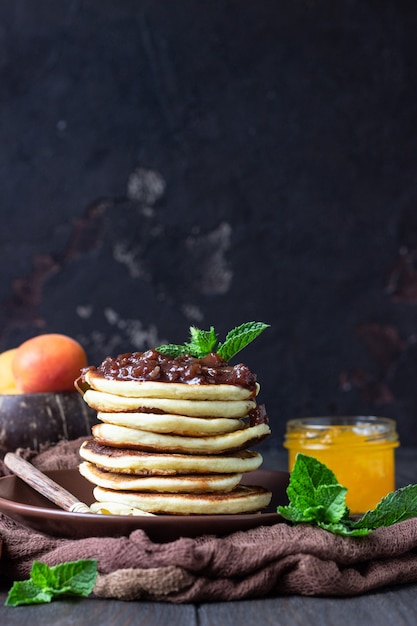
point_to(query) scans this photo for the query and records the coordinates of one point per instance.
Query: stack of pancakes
(172, 448)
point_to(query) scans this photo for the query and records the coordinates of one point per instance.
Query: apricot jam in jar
(359, 451)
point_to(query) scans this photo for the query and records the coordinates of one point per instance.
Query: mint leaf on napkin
(315, 492)
(395, 507)
(75, 578)
(316, 497)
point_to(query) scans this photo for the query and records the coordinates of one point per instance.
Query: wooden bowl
(30, 420)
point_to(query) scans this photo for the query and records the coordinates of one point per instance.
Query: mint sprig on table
(316, 497)
(203, 342)
(74, 578)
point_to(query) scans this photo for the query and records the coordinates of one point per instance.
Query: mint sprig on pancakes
(204, 342)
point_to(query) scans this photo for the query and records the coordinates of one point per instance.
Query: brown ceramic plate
(26, 506)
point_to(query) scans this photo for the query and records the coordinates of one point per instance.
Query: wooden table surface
(393, 605)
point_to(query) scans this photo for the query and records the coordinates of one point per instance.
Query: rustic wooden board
(377, 609)
(103, 613)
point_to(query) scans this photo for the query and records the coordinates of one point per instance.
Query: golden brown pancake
(242, 499)
(190, 483)
(107, 402)
(173, 424)
(120, 436)
(116, 508)
(156, 389)
(144, 463)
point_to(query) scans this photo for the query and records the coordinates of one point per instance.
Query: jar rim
(317, 430)
(341, 420)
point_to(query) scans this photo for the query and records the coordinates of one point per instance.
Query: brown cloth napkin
(264, 562)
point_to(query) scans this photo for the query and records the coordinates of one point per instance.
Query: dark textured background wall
(165, 163)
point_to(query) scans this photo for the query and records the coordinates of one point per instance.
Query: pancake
(120, 436)
(191, 483)
(158, 464)
(107, 402)
(169, 423)
(156, 389)
(242, 499)
(116, 508)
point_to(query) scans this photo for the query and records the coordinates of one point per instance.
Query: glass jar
(359, 451)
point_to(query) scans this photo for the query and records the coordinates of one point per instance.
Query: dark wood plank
(394, 606)
(102, 612)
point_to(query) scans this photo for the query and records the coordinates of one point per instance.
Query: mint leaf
(397, 506)
(316, 497)
(332, 500)
(43, 576)
(203, 342)
(26, 592)
(173, 349)
(75, 578)
(307, 476)
(239, 338)
(314, 493)
(294, 514)
(344, 528)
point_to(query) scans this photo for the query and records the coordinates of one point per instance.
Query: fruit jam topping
(154, 366)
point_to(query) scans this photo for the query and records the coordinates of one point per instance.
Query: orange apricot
(7, 381)
(49, 362)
